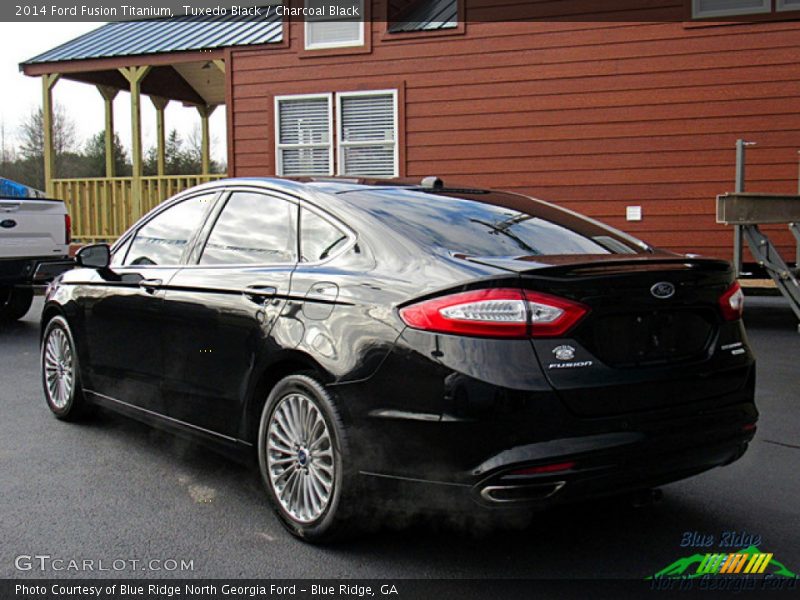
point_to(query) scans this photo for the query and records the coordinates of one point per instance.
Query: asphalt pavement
(113, 490)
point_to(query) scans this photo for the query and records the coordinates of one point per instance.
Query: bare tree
(31, 148)
(194, 150)
(65, 138)
(7, 153)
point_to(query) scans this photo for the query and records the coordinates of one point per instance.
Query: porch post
(109, 93)
(48, 81)
(205, 112)
(135, 75)
(161, 138)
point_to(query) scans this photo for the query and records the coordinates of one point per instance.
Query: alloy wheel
(59, 368)
(300, 458)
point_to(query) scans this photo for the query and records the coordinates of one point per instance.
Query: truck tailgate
(32, 228)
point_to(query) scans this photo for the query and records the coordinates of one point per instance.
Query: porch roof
(162, 36)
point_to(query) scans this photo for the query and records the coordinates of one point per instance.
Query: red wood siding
(593, 115)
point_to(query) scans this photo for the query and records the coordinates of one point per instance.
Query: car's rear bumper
(467, 454)
(639, 466)
(599, 470)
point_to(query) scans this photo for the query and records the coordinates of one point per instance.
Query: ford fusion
(379, 343)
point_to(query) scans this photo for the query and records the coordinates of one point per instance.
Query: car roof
(345, 196)
(339, 185)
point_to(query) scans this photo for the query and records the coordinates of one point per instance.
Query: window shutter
(332, 31)
(332, 34)
(304, 135)
(368, 134)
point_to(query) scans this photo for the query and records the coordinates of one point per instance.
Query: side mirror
(96, 256)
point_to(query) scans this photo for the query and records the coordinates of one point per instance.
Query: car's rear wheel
(60, 374)
(305, 461)
(14, 303)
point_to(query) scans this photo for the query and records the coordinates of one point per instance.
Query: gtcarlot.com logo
(48, 563)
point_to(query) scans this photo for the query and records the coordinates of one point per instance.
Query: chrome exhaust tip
(521, 493)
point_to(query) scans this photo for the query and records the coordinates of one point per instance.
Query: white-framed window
(366, 139)
(304, 134)
(367, 133)
(730, 8)
(787, 5)
(331, 31)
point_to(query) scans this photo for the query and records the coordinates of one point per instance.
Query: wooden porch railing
(102, 208)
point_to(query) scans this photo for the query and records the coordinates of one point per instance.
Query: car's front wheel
(305, 461)
(60, 374)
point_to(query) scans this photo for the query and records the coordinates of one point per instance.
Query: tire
(14, 303)
(303, 458)
(61, 372)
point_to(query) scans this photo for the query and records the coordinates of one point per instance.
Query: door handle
(259, 294)
(150, 285)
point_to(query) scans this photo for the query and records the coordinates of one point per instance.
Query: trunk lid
(652, 337)
(642, 312)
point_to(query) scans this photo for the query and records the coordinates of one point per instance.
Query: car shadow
(18, 328)
(601, 534)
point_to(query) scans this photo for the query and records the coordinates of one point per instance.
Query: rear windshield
(492, 224)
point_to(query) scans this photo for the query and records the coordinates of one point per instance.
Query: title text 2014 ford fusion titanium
(373, 342)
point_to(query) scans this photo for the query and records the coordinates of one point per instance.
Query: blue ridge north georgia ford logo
(564, 352)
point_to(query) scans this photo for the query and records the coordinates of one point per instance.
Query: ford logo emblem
(8, 223)
(663, 290)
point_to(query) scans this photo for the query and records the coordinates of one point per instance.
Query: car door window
(163, 239)
(319, 238)
(253, 228)
(119, 253)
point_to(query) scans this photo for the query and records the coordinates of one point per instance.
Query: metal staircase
(747, 211)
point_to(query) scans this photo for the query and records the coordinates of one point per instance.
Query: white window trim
(766, 7)
(781, 6)
(343, 44)
(341, 145)
(279, 146)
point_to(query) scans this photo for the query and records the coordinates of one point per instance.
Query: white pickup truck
(34, 248)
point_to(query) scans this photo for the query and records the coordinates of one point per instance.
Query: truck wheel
(14, 303)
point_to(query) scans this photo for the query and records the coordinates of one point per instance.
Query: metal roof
(160, 36)
(428, 15)
(179, 34)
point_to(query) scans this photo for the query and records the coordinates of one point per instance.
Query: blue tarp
(12, 189)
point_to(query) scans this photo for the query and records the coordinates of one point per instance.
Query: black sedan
(380, 343)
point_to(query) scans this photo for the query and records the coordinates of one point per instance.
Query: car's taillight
(67, 229)
(732, 302)
(552, 316)
(496, 313)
